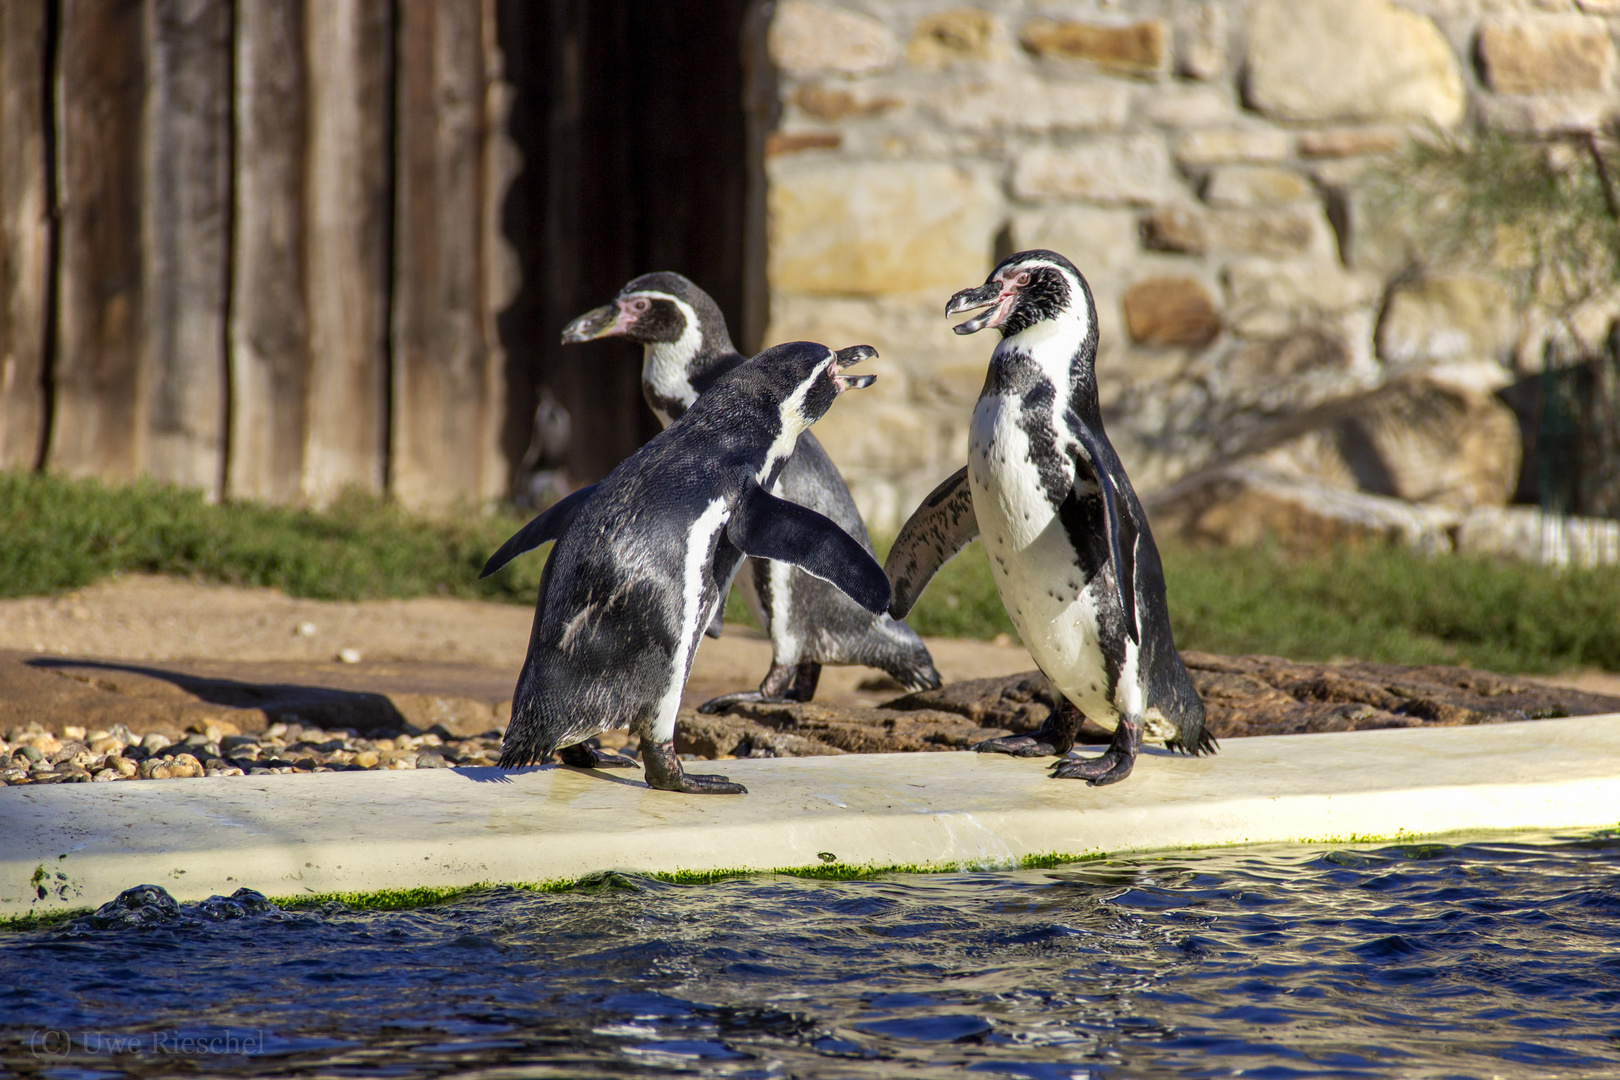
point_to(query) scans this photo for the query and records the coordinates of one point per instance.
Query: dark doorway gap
(630, 121)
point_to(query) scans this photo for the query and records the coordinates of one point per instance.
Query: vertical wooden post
(500, 268)
(97, 428)
(269, 333)
(442, 357)
(349, 45)
(186, 228)
(25, 239)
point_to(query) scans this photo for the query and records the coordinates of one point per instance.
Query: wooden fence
(272, 248)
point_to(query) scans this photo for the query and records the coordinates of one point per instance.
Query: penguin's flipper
(935, 534)
(766, 527)
(1121, 529)
(547, 526)
(725, 579)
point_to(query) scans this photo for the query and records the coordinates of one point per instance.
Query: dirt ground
(165, 653)
(159, 654)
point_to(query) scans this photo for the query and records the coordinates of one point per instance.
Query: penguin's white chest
(1033, 561)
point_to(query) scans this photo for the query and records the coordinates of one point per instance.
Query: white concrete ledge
(81, 844)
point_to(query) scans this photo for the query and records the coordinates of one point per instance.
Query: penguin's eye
(640, 305)
(1022, 279)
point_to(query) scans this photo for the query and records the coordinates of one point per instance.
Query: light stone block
(1268, 299)
(1348, 142)
(1186, 106)
(1255, 185)
(1448, 318)
(1219, 147)
(1127, 169)
(1552, 115)
(1018, 100)
(1201, 42)
(807, 38)
(1319, 60)
(948, 37)
(1278, 232)
(1546, 55)
(853, 227)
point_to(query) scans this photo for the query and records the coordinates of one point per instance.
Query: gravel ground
(33, 755)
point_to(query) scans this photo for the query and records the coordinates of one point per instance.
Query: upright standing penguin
(1067, 540)
(640, 561)
(685, 348)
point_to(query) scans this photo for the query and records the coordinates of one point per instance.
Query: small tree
(1544, 214)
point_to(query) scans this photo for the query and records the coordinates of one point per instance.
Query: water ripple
(1415, 959)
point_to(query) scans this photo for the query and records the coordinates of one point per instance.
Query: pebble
(33, 755)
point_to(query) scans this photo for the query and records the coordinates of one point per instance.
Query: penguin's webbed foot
(1113, 764)
(664, 772)
(1109, 767)
(1017, 746)
(783, 682)
(698, 784)
(724, 702)
(586, 756)
(1055, 736)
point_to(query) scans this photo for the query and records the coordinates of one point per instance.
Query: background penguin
(641, 560)
(685, 348)
(1069, 546)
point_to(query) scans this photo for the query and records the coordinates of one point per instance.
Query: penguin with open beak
(1069, 546)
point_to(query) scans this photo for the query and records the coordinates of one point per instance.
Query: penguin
(1068, 543)
(640, 560)
(685, 348)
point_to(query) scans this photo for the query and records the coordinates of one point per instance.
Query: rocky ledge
(1244, 695)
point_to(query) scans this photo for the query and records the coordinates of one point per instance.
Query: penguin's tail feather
(521, 747)
(1202, 743)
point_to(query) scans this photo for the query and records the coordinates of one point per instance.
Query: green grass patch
(1377, 603)
(61, 534)
(1389, 604)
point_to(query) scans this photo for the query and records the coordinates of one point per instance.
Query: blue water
(1493, 958)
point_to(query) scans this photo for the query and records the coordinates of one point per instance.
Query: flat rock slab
(75, 846)
(1243, 696)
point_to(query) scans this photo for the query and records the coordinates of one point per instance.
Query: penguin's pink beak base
(993, 295)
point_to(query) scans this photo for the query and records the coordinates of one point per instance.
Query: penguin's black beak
(848, 358)
(992, 292)
(601, 322)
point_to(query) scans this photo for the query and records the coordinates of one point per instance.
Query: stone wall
(1203, 163)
